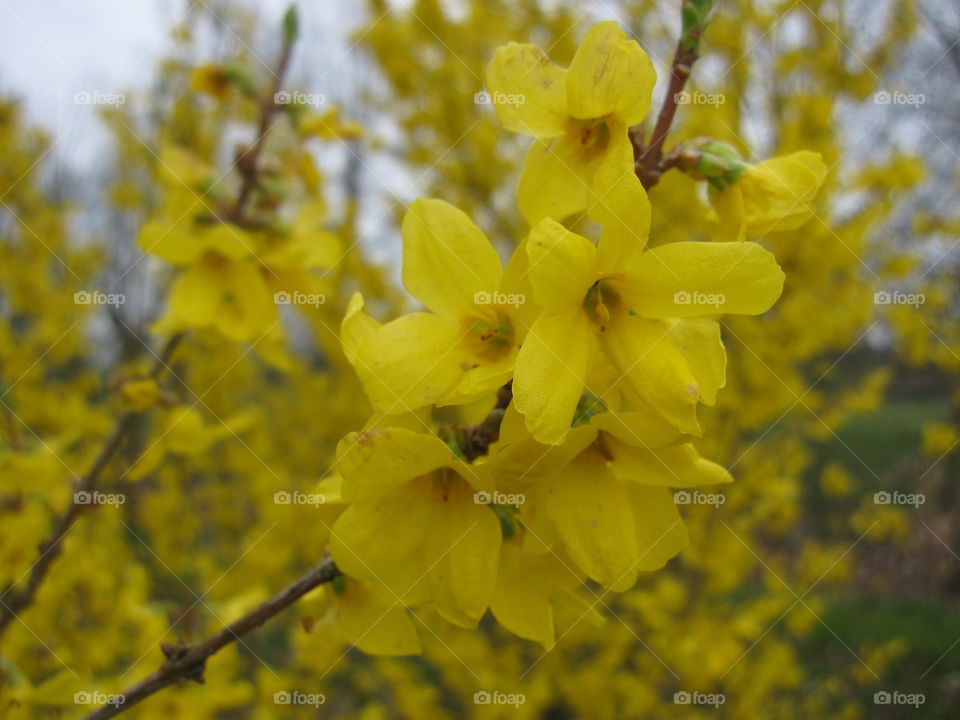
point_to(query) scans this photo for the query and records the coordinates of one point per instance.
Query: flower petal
(591, 512)
(654, 369)
(610, 75)
(550, 372)
(696, 279)
(698, 340)
(446, 258)
(375, 623)
(555, 179)
(660, 532)
(561, 265)
(528, 91)
(410, 362)
(462, 555)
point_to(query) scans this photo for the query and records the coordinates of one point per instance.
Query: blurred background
(826, 584)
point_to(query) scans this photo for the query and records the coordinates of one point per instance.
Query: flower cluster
(529, 426)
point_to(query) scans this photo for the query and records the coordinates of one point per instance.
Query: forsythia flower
(773, 195)
(623, 301)
(440, 546)
(580, 116)
(467, 345)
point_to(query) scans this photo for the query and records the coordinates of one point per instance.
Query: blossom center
(489, 334)
(601, 301)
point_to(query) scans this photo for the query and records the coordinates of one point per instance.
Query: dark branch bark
(188, 663)
(14, 602)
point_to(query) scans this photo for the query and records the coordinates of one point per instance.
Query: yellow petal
(654, 369)
(555, 179)
(462, 555)
(561, 266)
(393, 560)
(698, 340)
(246, 310)
(410, 362)
(447, 260)
(375, 622)
(591, 512)
(644, 428)
(384, 458)
(679, 467)
(528, 91)
(660, 532)
(550, 372)
(195, 298)
(610, 75)
(355, 328)
(521, 599)
(619, 204)
(778, 193)
(695, 279)
(170, 243)
(728, 205)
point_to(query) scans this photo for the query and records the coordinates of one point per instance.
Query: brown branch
(49, 549)
(475, 440)
(648, 164)
(188, 663)
(248, 164)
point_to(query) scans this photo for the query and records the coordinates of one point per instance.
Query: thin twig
(187, 663)
(13, 603)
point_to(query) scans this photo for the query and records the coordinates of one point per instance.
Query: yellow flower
(580, 116)
(440, 545)
(185, 434)
(620, 301)
(222, 286)
(774, 195)
(467, 345)
(214, 80)
(373, 621)
(603, 495)
(140, 395)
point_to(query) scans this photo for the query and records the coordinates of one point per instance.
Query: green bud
(720, 164)
(695, 15)
(291, 25)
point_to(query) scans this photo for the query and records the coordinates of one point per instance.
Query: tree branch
(49, 549)
(188, 663)
(649, 157)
